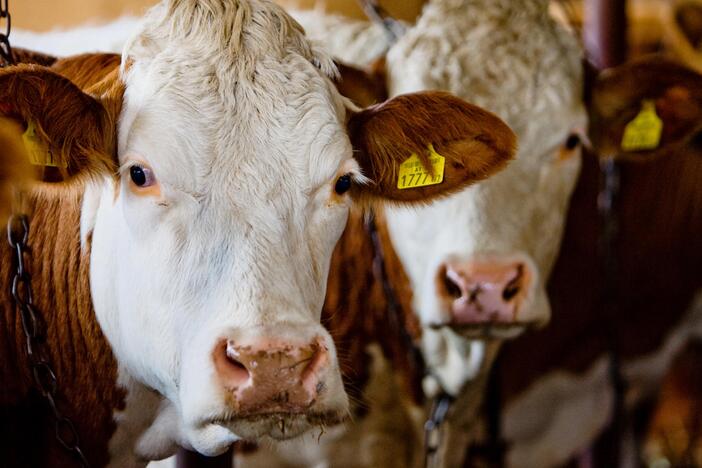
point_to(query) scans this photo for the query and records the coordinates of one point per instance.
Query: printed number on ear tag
(644, 132)
(39, 153)
(412, 173)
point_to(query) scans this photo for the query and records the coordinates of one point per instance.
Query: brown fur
(30, 56)
(363, 88)
(658, 253)
(356, 309)
(80, 130)
(474, 142)
(675, 429)
(73, 124)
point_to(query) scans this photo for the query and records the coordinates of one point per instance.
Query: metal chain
(432, 429)
(35, 333)
(609, 231)
(6, 56)
(442, 403)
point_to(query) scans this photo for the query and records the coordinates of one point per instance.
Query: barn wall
(44, 15)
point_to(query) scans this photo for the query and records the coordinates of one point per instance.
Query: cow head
(221, 164)
(478, 261)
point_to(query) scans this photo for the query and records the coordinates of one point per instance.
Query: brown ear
(364, 88)
(618, 97)
(30, 56)
(474, 143)
(72, 130)
(14, 166)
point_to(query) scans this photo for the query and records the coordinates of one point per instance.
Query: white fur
(511, 58)
(233, 110)
(351, 41)
(108, 37)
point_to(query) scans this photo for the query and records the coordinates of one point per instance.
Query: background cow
(655, 308)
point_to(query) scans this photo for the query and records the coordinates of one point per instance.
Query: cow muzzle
(488, 293)
(278, 387)
(270, 376)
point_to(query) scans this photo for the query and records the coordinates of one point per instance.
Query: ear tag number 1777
(413, 174)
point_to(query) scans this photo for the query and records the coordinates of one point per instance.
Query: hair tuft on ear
(473, 143)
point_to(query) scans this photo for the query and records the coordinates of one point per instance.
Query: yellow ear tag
(38, 151)
(413, 175)
(644, 132)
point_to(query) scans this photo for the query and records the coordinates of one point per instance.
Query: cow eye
(142, 176)
(343, 184)
(572, 142)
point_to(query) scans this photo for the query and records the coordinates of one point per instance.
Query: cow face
(211, 229)
(478, 261)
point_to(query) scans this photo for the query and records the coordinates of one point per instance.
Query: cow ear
(417, 147)
(66, 133)
(362, 87)
(652, 88)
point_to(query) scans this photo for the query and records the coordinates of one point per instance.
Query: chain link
(432, 429)
(35, 335)
(6, 56)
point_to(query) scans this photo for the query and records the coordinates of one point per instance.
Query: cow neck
(85, 367)
(659, 210)
(356, 308)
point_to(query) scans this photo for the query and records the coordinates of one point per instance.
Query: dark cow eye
(141, 176)
(572, 142)
(343, 184)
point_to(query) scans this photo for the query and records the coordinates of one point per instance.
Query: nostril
(514, 286)
(230, 368)
(509, 292)
(311, 376)
(449, 286)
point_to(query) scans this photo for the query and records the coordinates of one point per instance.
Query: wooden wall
(44, 15)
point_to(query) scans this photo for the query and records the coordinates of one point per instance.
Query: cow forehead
(230, 90)
(258, 131)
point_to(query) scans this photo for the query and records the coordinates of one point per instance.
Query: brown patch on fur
(657, 251)
(14, 165)
(74, 125)
(474, 142)
(363, 88)
(79, 354)
(30, 56)
(82, 131)
(674, 431)
(356, 309)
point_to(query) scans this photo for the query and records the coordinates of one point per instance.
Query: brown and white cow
(557, 405)
(180, 250)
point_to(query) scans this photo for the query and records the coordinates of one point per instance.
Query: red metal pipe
(605, 32)
(188, 459)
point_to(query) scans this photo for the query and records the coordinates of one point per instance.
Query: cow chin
(456, 353)
(282, 426)
(215, 436)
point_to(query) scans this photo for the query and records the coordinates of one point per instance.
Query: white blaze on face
(240, 146)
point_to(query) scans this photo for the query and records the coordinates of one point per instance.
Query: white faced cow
(181, 261)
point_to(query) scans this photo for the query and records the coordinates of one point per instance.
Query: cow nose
(484, 291)
(267, 376)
